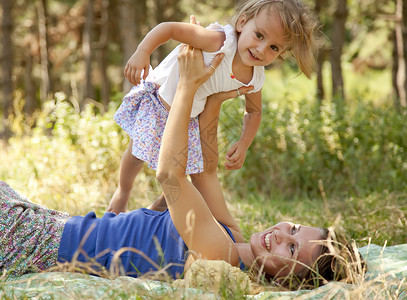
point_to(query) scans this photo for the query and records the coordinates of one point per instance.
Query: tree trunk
(43, 38)
(319, 4)
(399, 54)
(394, 69)
(87, 39)
(338, 40)
(128, 31)
(320, 82)
(30, 101)
(6, 60)
(102, 46)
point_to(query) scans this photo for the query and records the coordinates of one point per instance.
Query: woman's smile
(267, 241)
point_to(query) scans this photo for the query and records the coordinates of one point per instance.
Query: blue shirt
(151, 234)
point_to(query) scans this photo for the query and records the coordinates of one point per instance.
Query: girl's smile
(252, 56)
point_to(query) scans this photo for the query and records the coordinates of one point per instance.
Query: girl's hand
(236, 156)
(117, 206)
(138, 62)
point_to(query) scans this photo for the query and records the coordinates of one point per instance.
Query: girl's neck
(242, 72)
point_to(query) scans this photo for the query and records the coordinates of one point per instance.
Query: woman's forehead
(310, 244)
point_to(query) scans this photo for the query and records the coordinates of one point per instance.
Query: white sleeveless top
(166, 74)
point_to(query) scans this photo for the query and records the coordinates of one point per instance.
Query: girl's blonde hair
(299, 23)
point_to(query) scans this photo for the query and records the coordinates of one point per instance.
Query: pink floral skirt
(143, 117)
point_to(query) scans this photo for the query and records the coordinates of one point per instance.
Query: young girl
(260, 32)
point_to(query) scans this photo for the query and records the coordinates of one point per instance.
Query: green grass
(308, 164)
(315, 165)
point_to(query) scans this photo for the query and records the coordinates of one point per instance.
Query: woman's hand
(223, 96)
(192, 70)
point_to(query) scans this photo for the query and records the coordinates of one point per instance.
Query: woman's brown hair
(338, 260)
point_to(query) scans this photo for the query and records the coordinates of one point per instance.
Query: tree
(43, 38)
(29, 84)
(400, 61)
(128, 25)
(7, 58)
(338, 40)
(87, 39)
(319, 4)
(102, 49)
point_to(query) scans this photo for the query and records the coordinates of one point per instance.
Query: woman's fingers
(183, 51)
(193, 20)
(193, 67)
(216, 62)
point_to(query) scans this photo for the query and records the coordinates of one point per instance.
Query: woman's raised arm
(203, 235)
(207, 182)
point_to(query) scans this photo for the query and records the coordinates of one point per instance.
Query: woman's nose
(281, 236)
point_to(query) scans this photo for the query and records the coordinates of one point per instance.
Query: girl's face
(285, 247)
(261, 39)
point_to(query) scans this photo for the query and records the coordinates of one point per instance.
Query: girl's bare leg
(130, 166)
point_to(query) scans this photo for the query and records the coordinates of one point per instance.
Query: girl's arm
(203, 235)
(251, 122)
(193, 35)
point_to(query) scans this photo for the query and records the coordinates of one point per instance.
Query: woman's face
(285, 247)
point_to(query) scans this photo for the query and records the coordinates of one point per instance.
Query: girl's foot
(159, 204)
(118, 203)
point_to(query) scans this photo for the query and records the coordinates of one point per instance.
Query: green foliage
(70, 159)
(319, 165)
(303, 147)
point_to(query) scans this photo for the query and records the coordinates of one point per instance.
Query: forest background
(330, 151)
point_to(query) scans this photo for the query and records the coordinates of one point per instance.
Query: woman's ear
(241, 22)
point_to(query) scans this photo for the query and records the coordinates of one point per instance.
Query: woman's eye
(274, 48)
(292, 249)
(294, 229)
(258, 35)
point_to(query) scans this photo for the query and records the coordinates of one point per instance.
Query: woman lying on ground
(36, 238)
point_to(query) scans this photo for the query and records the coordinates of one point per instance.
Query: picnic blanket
(386, 276)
